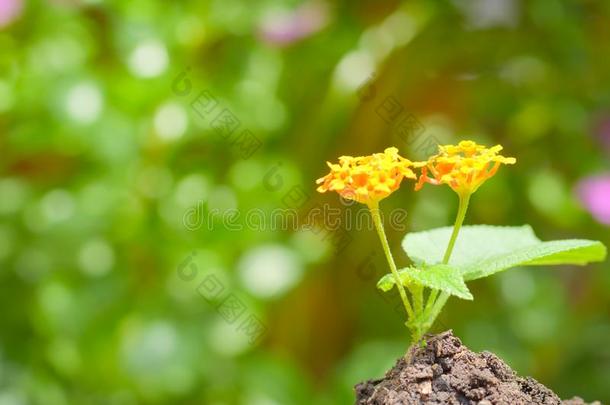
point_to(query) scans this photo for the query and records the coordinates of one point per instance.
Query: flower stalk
(374, 208)
(459, 220)
(435, 302)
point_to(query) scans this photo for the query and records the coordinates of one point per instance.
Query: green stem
(434, 305)
(459, 220)
(374, 208)
(418, 298)
(431, 300)
(436, 309)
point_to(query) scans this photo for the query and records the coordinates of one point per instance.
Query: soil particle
(447, 372)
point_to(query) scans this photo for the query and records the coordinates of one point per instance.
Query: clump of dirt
(447, 372)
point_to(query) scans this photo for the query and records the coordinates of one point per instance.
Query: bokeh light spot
(270, 270)
(353, 70)
(517, 286)
(225, 339)
(14, 193)
(149, 59)
(222, 198)
(96, 257)
(57, 205)
(84, 103)
(170, 121)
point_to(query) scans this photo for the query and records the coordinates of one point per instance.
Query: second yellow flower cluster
(369, 179)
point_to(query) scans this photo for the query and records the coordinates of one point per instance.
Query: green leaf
(482, 250)
(573, 251)
(440, 277)
(474, 243)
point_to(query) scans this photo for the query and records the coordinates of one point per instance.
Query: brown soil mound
(447, 372)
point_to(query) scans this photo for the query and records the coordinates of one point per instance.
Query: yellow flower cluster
(367, 179)
(463, 167)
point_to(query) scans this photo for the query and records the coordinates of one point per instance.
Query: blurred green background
(122, 122)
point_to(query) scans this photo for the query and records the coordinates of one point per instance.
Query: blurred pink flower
(284, 28)
(9, 11)
(594, 193)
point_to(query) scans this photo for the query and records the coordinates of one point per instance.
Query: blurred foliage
(103, 153)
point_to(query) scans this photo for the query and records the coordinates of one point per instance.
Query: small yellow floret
(367, 179)
(464, 167)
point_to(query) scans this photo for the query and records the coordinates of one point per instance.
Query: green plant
(444, 259)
